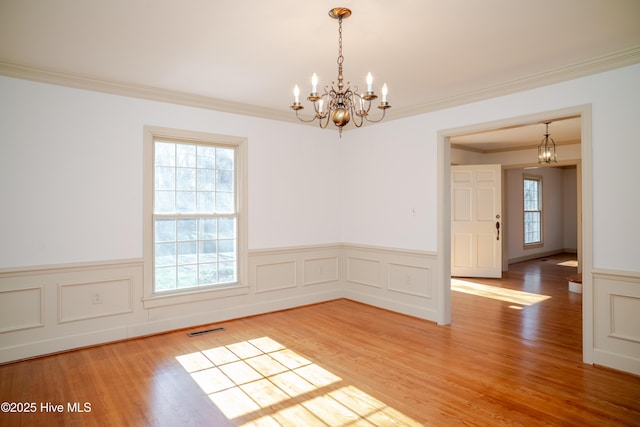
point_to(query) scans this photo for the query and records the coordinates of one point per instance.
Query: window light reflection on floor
(261, 382)
(496, 292)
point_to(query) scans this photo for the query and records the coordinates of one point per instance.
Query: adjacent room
(307, 213)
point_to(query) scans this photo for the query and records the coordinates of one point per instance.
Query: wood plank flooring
(342, 363)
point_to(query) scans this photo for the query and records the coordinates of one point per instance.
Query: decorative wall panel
(21, 309)
(409, 279)
(81, 301)
(275, 276)
(363, 271)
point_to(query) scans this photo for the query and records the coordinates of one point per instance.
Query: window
(532, 210)
(194, 230)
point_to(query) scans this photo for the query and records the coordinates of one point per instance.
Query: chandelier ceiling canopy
(337, 103)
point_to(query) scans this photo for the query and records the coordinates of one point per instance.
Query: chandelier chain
(340, 57)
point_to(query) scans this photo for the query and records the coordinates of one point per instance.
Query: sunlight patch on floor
(249, 379)
(569, 263)
(498, 293)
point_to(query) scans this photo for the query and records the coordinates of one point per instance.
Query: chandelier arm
(326, 121)
(358, 120)
(304, 120)
(384, 110)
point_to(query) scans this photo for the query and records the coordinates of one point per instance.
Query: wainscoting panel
(321, 270)
(617, 320)
(294, 268)
(21, 309)
(398, 280)
(81, 301)
(55, 308)
(364, 271)
(409, 279)
(275, 276)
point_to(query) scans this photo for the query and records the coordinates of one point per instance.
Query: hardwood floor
(339, 363)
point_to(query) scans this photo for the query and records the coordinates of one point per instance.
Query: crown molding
(139, 91)
(600, 64)
(596, 65)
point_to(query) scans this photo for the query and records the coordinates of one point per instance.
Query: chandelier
(339, 104)
(547, 149)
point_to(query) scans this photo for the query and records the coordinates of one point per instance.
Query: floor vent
(208, 331)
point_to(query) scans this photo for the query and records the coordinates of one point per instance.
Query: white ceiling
(250, 53)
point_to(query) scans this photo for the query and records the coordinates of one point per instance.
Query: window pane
(206, 202)
(187, 276)
(224, 158)
(165, 178)
(532, 231)
(185, 179)
(226, 228)
(208, 229)
(165, 278)
(224, 180)
(224, 203)
(187, 229)
(185, 202)
(207, 274)
(206, 180)
(226, 250)
(165, 154)
(165, 202)
(186, 155)
(206, 157)
(208, 251)
(165, 254)
(187, 253)
(226, 272)
(165, 230)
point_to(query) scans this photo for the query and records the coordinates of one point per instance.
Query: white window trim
(241, 287)
(540, 195)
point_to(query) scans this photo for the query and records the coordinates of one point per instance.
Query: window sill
(161, 300)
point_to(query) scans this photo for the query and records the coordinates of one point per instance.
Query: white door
(476, 220)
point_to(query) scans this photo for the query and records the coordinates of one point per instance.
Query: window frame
(540, 243)
(239, 287)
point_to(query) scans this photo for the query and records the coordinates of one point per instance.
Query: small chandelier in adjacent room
(547, 149)
(339, 104)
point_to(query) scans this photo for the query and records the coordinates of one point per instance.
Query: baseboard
(538, 255)
(395, 306)
(617, 361)
(60, 344)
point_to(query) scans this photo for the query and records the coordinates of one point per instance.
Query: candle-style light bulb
(314, 83)
(296, 94)
(369, 82)
(385, 90)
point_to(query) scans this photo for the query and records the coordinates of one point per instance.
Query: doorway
(584, 207)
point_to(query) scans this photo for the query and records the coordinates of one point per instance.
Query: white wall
(71, 174)
(392, 166)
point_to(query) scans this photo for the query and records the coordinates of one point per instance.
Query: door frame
(443, 302)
